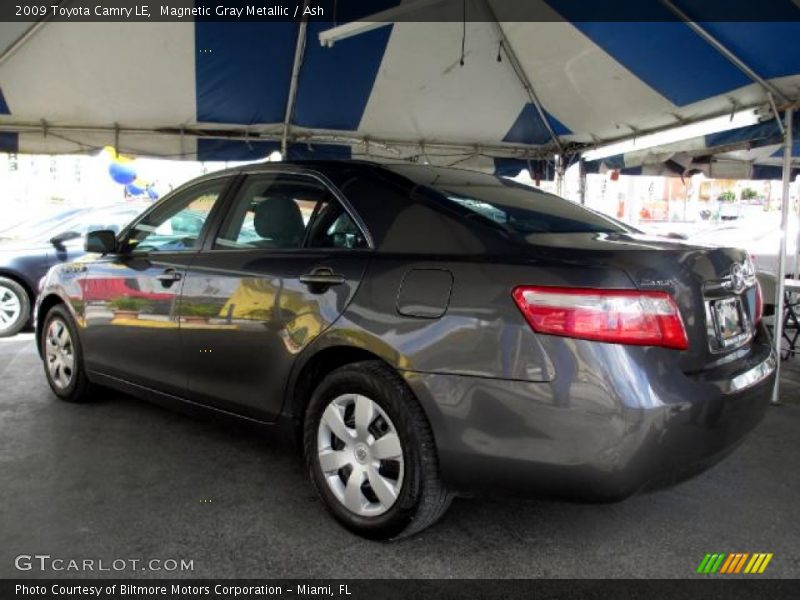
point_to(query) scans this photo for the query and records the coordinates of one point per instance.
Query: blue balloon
(122, 173)
(134, 190)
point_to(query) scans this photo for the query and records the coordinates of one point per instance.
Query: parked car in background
(29, 250)
(424, 331)
(759, 235)
(33, 226)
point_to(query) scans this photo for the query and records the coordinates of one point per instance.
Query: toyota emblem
(738, 279)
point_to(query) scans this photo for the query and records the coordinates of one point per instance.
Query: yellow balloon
(112, 154)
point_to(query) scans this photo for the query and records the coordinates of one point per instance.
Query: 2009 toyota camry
(425, 331)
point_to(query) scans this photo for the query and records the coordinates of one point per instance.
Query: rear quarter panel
(481, 333)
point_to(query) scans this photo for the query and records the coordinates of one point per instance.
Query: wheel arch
(335, 350)
(313, 369)
(46, 303)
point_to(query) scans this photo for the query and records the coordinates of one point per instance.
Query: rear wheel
(15, 307)
(371, 455)
(63, 357)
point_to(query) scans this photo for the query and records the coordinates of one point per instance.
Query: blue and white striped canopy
(220, 90)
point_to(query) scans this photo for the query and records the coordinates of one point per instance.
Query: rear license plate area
(729, 321)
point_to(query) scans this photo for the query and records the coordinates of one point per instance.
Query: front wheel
(370, 453)
(63, 357)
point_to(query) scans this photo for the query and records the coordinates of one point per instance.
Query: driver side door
(131, 297)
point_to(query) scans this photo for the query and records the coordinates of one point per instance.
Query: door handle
(168, 277)
(321, 278)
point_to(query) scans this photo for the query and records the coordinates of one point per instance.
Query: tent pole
(779, 291)
(582, 180)
(796, 271)
(27, 35)
(299, 52)
(560, 172)
(524, 80)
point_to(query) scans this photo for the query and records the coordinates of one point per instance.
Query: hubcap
(10, 308)
(59, 354)
(360, 455)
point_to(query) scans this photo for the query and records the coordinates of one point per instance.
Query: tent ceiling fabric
(219, 90)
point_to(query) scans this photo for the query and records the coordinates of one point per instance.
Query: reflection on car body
(29, 250)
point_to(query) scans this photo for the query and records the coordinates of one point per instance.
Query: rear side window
(526, 211)
(271, 211)
(506, 204)
(285, 211)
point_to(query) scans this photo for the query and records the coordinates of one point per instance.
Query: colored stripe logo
(734, 563)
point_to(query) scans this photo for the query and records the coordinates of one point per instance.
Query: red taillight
(616, 316)
(759, 304)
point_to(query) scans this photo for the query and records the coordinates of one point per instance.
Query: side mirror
(102, 242)
(64, 236)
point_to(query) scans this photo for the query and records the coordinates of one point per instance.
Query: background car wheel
(62, 356)
(15, 307)
(371, 455)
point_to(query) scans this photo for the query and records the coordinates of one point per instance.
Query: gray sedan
(422, 331)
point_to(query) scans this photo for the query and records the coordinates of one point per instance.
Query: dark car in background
(30, 249)
(35, 225)
(423, 331)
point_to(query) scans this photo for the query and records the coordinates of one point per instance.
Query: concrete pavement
(121, 478)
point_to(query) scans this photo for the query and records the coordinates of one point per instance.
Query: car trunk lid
(714, 288)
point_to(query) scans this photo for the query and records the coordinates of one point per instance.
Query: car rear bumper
(613, 421)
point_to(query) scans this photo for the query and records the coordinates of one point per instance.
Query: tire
(15, 307)
(404, 468)
(62, 356)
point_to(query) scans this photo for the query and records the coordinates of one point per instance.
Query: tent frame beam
(21, 40)
(27, 35)
(516, 65)
(275, 133)
(299, 54)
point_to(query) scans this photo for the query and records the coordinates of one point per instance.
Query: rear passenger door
(282, 266)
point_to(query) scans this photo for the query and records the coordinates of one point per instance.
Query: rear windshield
(506, 204)
(526, 211)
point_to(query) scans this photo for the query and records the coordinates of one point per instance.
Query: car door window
(176, 224)
(272, 211)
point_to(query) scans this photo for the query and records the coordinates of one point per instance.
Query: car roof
(417, 173)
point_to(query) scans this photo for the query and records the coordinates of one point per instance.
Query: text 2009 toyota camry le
(425, 331)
